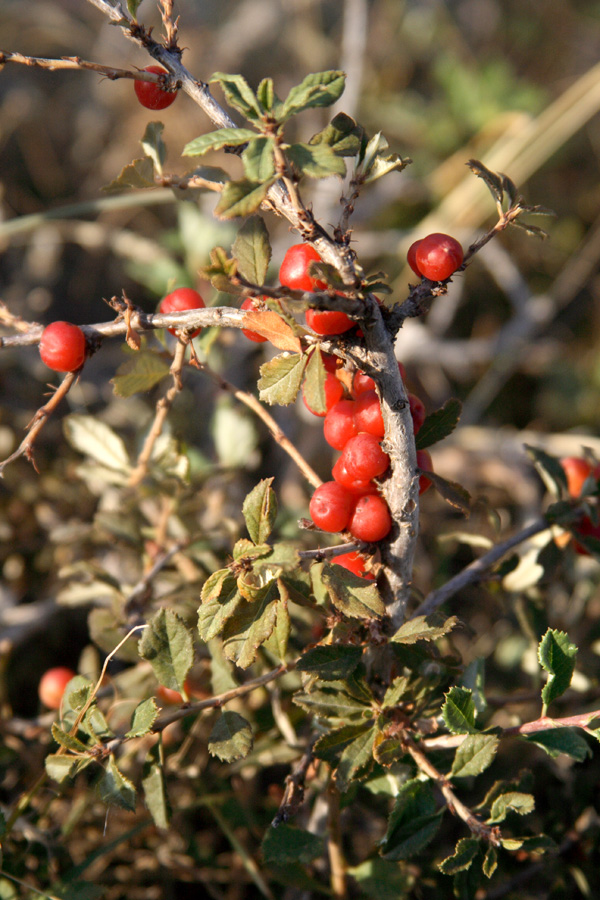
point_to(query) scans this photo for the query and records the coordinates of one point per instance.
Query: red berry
(371, 520)
(52, 686)
(437, 256)
(179, 300)
(339, 425)
(362, 383)
(294, 269)
(328, 321)
(331, 506)
(354, 485)
(425, 463)
(577, 469)
(367, 414)
(355, 563)
(63, 347)
(251, 335)
(411, 257)
(417, 411)
(334, 391)
(152, 95)
(363, 457)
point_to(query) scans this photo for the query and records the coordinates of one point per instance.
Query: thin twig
(337, 862)
(293, 795)
(75, 62)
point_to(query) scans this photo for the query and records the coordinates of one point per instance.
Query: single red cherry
(363, 457)
(152, 95)
(354, 485)
(328, 321)
(355, 563)
(63, 347)
(367, 414)
(334, 391)
(179, 300)
(293, 272)
(411, 257)
(331, 506)
(362, 383)
(339, 425)
(249, 303)
(425, 463)
(52, 685)
(438, 256)
(371, 519)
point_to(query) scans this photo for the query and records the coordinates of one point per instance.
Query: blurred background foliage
(514, 84)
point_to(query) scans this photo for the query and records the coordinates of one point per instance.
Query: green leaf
(231, 737)
(513, 801)
(413, 822)
(561, 740)
(240, 198)
(153, 144)
(424, 628)
(313, 388)
(91, 437)
(356, 760)
(330, 747)
(381, 879)
(144, 716)
(115, 789)
(452, 492)
(330, 662)
(252, 250)
(77, 693)
(259, 159)
(343, 135)
(549, 469)
(335, 700)
(168, 646)
(220, 600)
(353, 596)
(464, 853)
(260, 510)
(238, 94)
(280, 378)
(133, 6)
(556, 655)
(458, 711)
(59, 768)
(474, 755)
(439, 424)
(265, 94)
(316, 90)
(316, 161)
(153, 786)
(492, 180)
(216, 140)
(139, 373)
(138, 174)
(248, 628)
(67, 741)
(96, 725)
(277, 642)
(490, 862)
(396, 691)
(288, 844)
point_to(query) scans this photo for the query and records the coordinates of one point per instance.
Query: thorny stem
(293, 794)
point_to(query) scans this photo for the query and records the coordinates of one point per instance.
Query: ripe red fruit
(330, 361)
(326, 322)
(355, 563)
(251, 335)
(354, 485)
(63, 347)
(417, 411)
(152, 95)
(577, 469)
(371, 520)
(411, 257)
(179, 300)
(334, 391)
(52, 685)
(367, 414)
(362, 383)
(293, 272)
(363, 457)
(437, 256)
(425, 463)
(339, 425)
(331, 506)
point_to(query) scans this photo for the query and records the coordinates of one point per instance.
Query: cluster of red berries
(435, 257)
(577, 470)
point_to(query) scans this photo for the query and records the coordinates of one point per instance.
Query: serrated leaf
(258, 159)
(138, 174)
(458, 711)
(356, 759)
(329, 747)
(168, 646)
(490, 862)
(245, 549)
(241, 198)
(238, 94)
(153, 786)
(561, 740)
(252, 250)
(556, 655)
(280, 378)
(265, 94)
(352, 595)
(342, 134)
(452, 492)
(260, 511)
(143, 718)
(316, 161)
(153, 144)
(313, 387)
(288, 844)
(387, 750)
(330, 662)
(248, 628)
(94, 439)
(474, 755)
(231, 737)
(334, 700)
(413, 822)
(396, 691)
(492, 180)
(218, 608)
(513, 801)
(67, 741)
(277, 642)
(96, 725)
(464, 853)
(424, 628)
(77, 693)
(272, 327)
(139, 373)
(115, 789)
(316, 90)
(216, 140)
(549, 469)
(439, 424)
(59, 768)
